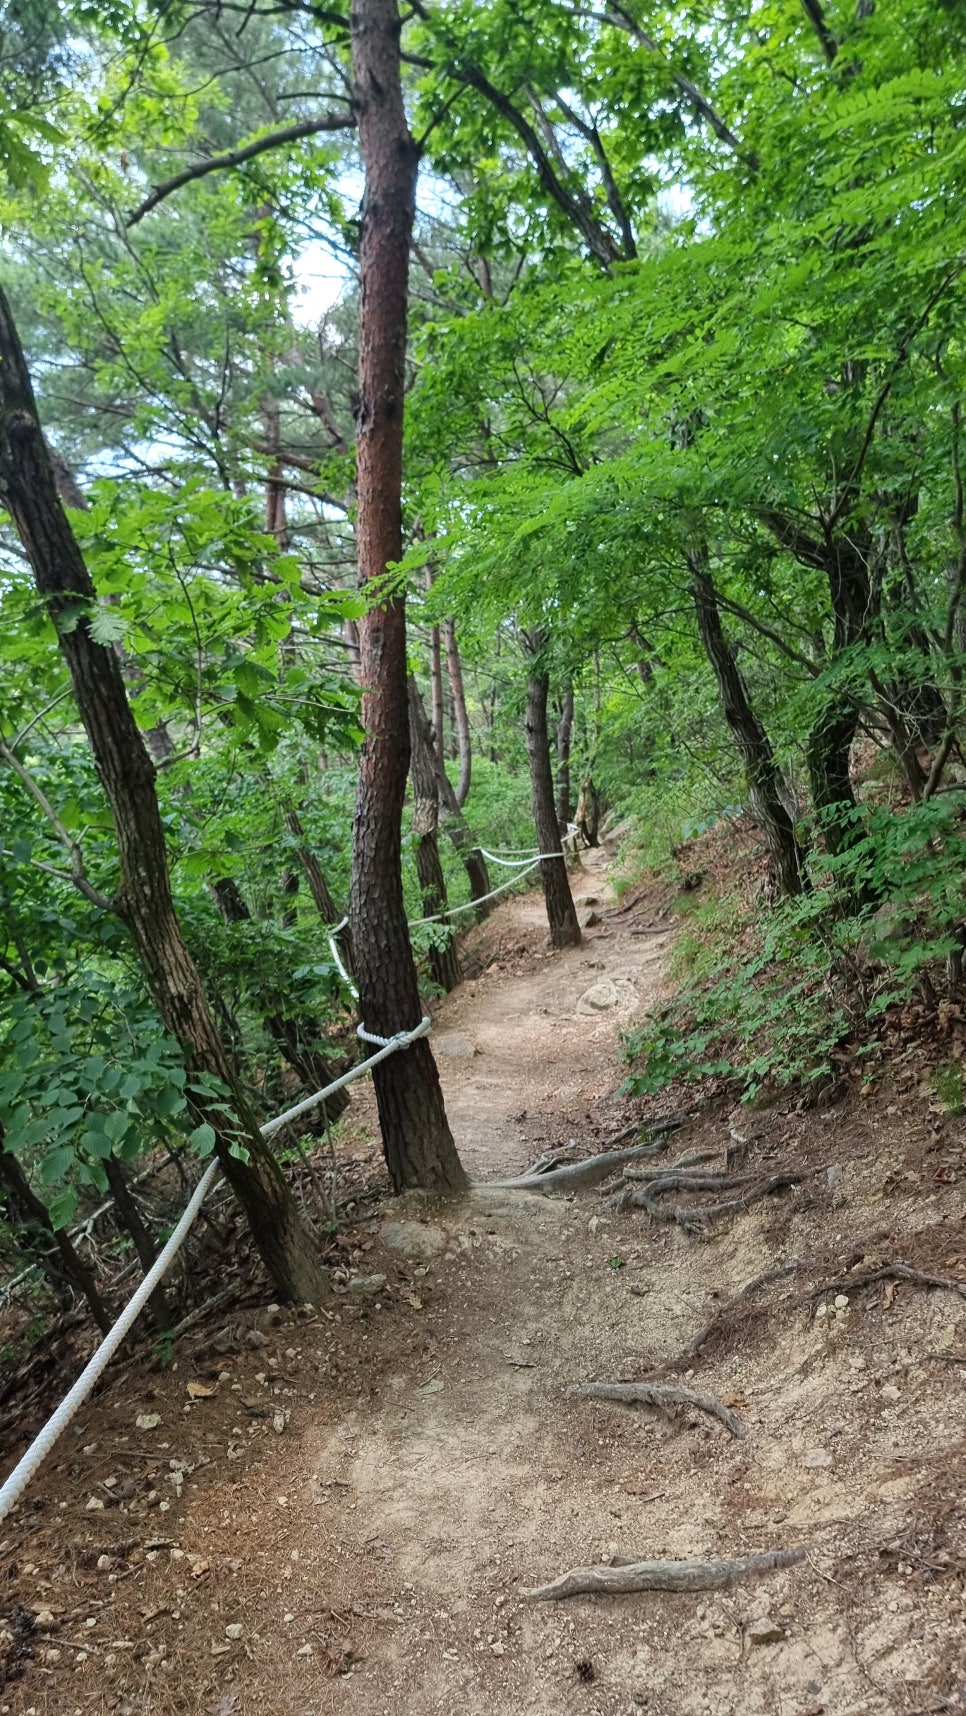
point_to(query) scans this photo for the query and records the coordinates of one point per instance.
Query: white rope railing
(33, 1459)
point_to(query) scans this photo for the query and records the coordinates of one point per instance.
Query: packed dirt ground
(339, 1509)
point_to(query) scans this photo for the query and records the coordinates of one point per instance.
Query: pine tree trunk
(126, 773)
(417, 1141)
(561, 913)
(565, 727)
(461, 720)
(455, 826)
(754, 746)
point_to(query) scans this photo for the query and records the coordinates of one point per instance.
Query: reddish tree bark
(417, 1141)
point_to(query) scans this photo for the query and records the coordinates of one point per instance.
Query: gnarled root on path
(652, 1194)
(663, 1395)
(575, 1176)
(624, 1575)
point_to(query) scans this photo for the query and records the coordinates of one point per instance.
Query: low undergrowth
(795, 993)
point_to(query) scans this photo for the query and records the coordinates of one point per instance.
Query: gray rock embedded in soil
(413, 1238)
(367, 1283)
(454, 1043)
(599, 997)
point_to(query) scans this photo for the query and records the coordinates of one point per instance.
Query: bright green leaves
(86, 1073)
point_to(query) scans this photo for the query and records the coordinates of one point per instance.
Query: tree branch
(621, 20)
(77, 872)
(816, 17)
(237, 157)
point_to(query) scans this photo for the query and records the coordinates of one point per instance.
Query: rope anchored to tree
(55, 1426)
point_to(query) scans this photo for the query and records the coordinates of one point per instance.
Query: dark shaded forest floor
(334, 1511)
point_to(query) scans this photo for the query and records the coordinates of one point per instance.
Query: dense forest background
(681, 523)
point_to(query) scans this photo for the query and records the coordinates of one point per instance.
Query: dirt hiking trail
(323, 1513)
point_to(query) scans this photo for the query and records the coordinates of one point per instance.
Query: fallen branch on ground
(625, 1575)
(577, 1175)
(663, 1396)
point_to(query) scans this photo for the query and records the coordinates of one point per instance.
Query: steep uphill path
(335, 1513)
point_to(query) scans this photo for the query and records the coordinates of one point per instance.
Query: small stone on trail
(817, 1457)
(589, 920)
(234, 1631)
(765, 1631)
(366, 1283)
(599, 997)
(148, 1420)
(454, 1043)
(413, 1238)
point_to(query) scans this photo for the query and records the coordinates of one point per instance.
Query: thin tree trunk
(565, 727)
(319, 888)
(436, 688)
(754, 746)
(444, 959)
(276, 521)
(126, 772)
(289, 1035)
(455, 825)
(461, 720)
(144, 1245)
(561, 912)
(55, 1253)
(417, 1141)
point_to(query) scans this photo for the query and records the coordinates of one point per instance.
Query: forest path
(542, 1059)
(334, 1513)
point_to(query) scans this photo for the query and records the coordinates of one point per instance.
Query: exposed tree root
(651, 1195)
(664, 1395)
(575, 1176)
(886, 1272)
(625, 1575)
(726, 1316)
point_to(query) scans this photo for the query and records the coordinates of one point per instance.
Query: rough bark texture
(565, 727)
(461, 720)
(126, 772)
(761, 772)
(444, 960)
(416, 1137)
(454, 823)
(561, 912)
